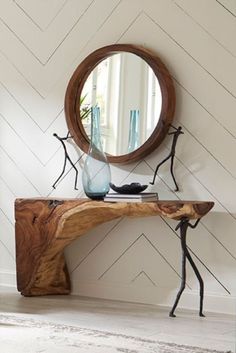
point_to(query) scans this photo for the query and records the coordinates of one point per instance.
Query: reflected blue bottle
(133, 142)
(96, 174)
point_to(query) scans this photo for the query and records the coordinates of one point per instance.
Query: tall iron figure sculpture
(177, 131)
(67, 157)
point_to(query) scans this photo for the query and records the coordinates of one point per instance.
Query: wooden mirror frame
(77, 82)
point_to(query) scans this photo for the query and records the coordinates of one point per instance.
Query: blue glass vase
(133, 142)
(96, 174)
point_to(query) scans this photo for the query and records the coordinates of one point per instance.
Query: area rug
(24, 335)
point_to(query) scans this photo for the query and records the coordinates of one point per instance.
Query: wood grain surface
(44, 227)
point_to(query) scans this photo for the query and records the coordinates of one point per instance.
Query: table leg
(183, 225)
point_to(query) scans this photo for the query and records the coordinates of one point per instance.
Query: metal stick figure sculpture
(67, 157)
(171, 155)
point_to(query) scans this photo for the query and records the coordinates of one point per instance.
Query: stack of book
(142, 197)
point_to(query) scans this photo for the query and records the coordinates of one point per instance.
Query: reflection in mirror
(129, 96)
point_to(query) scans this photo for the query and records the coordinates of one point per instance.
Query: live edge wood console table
(44, 227)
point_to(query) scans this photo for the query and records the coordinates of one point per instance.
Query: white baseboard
(157, 296)
(213, 302)
(7, 280)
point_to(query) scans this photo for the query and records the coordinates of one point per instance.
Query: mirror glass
(128, 93)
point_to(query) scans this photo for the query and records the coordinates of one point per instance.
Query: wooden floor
(215, 331)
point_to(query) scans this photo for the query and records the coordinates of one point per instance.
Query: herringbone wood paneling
(41, 43)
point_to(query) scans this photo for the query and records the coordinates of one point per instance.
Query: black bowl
(133, 188)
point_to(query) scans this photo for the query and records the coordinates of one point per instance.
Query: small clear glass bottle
(133, 142)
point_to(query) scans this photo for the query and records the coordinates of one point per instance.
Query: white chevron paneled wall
(41, 44)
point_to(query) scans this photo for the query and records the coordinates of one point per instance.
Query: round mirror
(135, 93)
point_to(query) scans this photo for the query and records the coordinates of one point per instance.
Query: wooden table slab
(44, 227)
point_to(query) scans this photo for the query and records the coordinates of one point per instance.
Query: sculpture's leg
(76, 172)
(63, 171)
(183, 231)
(158, 166)
(183, 225)
(201, 283)
(172, 173)
(76, 178)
